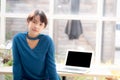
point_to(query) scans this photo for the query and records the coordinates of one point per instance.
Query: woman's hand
(111, 78)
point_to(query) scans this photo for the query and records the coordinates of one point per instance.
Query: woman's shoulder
(46, 37)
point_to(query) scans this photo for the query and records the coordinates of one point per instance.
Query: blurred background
(94, 26)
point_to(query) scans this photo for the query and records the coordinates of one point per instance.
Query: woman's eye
(40, 24)
(34, 22)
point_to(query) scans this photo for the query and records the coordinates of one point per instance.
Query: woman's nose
(36, 25)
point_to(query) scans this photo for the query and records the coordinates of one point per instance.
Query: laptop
(77, 61)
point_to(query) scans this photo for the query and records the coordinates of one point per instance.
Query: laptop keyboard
(71, 69)
(75, 69)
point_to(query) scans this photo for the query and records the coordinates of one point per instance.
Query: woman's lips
(35, 30)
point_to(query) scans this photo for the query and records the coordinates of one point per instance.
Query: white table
(102, 71)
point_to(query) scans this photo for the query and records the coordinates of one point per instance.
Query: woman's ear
(44, 25)
(27, 22)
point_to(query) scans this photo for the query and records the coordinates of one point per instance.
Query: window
(98, 19)
(99, 23)
(25, 6)
(85, 41)
(88, 7)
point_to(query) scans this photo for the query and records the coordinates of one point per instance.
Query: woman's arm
(50, 62)
(17, 71)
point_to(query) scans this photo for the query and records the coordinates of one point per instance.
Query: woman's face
(35, 26)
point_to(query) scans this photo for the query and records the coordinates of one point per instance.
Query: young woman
(33, 52)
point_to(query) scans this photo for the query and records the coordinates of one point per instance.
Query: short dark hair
(42, 15)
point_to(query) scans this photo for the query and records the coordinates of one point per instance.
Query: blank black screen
(79, 59)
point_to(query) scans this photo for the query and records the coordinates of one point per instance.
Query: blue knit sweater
(33, 64)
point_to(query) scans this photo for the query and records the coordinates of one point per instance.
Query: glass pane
(0, 22)
(108, 44)
(24, 6)
(110, 8)
(75, 6)
(15, 25)
(117, 43)
(82, 37)
(0, 5)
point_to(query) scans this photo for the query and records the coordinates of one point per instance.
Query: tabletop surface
(102, 71)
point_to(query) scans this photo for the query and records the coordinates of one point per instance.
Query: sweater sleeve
(17, 71)
(50, 62)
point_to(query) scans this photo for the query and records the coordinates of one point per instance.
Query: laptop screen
(79, 59)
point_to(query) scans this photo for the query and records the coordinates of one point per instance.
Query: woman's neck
(32, 37)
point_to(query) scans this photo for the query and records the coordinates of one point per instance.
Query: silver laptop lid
(78, 58)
